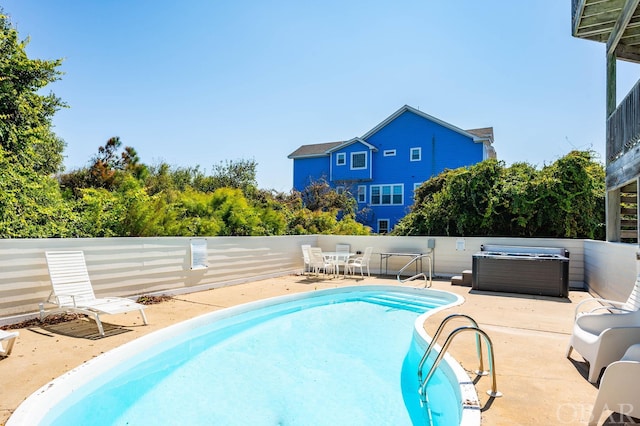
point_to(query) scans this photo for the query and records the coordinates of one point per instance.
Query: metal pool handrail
(427, 281)
(493, 392)
(480, 371)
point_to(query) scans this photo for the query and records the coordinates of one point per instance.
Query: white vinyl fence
(136, 266)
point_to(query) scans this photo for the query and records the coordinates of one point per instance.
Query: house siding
(309, 170)
(441, 146)
(346, 172)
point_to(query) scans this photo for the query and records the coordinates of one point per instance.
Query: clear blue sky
(200, 82)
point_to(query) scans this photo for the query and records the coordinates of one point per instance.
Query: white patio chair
(9, 338)
(305, 257)
(319, 262)
(603, 338)
(632, 303)
(73, 292)
(361, 262)
(618, 390)
(342, 256)
(602, 334)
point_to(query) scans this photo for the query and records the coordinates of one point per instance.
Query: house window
(416, 154)
(340, 189)
(341, 159)
(383, 226)
(375, 194)
(358, 160)
(416, 185)
(397, 194)
(389, 152)
(386, 195)
(362, 194)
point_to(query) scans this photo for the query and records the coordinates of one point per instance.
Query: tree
(108, 169)
(233, 210)
(108, 165)
(570, 196)
(126, 212)
(563, 200)
(239, 174)
(25, 114)
(31, 204)
(194, 215)
(163, 177)
(319, 196)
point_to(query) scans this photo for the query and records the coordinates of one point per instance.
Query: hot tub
(530, 270)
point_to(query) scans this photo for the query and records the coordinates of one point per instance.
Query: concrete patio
(529, 333)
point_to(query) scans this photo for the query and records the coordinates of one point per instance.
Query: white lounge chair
(601, 335)
(73, 292)
(618, 390)
(9, 337)
(361, 262)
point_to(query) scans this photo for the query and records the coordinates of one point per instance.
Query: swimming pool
(340, 356)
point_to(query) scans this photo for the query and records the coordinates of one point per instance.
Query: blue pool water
(337, 358)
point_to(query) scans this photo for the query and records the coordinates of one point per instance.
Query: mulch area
(48, 320)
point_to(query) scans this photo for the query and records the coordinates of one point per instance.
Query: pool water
(327, 360)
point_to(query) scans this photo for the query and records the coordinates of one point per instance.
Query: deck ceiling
(595, 20)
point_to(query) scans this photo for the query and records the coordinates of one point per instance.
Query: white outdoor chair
(632, 303)
(73, 292)
(305, 257)
(603, 338)
(602, 334)
(342, 256)
(361, 262)
(319, 262)
(618, 390)
(9, 338)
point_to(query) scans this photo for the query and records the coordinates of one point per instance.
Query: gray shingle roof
(313, 150)
(484, 132)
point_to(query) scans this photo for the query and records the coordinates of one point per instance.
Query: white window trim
(366, 160)
(340, 189)
(389, 153)
(363, 193)
(419, 153)
(343, 156)
(391, 186)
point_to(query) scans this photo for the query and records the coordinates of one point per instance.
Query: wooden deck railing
(623, 126)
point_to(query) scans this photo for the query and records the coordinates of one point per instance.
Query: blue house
(383, 167)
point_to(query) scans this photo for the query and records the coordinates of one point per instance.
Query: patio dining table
(337, 257)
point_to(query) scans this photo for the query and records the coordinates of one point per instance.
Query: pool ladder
(427, 280)
(422, 390)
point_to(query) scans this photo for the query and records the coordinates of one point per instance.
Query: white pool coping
(36, 407)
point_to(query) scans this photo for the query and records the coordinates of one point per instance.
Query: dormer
(351, 161)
